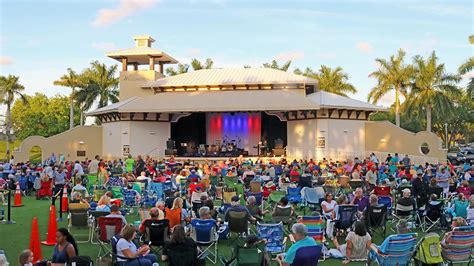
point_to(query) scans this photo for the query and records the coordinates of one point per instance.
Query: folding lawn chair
(204, 233)
(244, 256)
(459, 246)
(311, 199)
(294, 195)
(274, 235)
(79, 218)
(307, 256)
(314, 224)
(108, 227)
(148, 199)
(432, 216)
(156, 233)
(387, 201)
(375, 217)
(347, 215)
(130, 199)
(157, 188)
(116, 192)
(228, 194)
(428, 250)
(94, 215)
(395, 250)
(238, 223)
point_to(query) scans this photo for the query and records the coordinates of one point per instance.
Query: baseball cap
(235, 198)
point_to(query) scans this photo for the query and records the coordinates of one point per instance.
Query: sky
(39, 40)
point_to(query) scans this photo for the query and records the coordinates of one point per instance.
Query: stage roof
(226, 77)
(234, 101)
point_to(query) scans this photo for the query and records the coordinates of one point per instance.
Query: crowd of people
(192, 189)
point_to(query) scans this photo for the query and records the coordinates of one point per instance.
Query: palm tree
(330, 80)
(99, 83)
(181, 68)
(432, 88)
(71, 80)
(274, 64)
(10, 89)
(197, 65)
(466, 68)
(393, 74)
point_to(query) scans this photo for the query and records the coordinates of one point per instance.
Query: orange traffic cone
(17, 202)
(51, 236)
(35, 246)
(65, 200)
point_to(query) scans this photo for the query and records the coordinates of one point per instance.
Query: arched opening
(35, 154)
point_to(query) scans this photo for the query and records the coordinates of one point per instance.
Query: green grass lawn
(15, 237)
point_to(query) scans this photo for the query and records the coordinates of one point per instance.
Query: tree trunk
(397, 107)
(7, 131)
(428, 118)
(82, 118)
(71, 110)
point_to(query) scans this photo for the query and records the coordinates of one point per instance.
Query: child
(26, 258)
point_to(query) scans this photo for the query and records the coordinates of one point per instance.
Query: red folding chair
(108, 228)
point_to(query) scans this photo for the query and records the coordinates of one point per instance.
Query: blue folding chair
(395, 250)
(157, 188)
(274, 235)
(204, 233)
(115, 181)
(294, 195)
(168, 185)
(387, 201)
(148, 199)
(307, 256)
(311, 199)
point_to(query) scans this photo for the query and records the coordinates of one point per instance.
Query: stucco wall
(384, 137)
(84, 138)
(149, 138)
(344, 138)
(131, 82)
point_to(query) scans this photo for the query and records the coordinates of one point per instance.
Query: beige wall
(143, 138)
(344, 138)
(131, 82)
(384, 137)
(85, 138)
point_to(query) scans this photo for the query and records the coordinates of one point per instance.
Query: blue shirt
(291, 253)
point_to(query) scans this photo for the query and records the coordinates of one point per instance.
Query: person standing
(140, 166)
(129, 164)
(94, 166)
(59, 179)
(442, 179)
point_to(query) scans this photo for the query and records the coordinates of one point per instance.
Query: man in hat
(406, 204)
(420, 189)
(236, 207)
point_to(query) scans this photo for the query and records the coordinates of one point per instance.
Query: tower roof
(141, 53)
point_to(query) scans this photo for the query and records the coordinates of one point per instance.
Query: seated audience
(300, 235)
(236, 207)
(115, 213)
(357, 243)
(127, 252)
(180, 244)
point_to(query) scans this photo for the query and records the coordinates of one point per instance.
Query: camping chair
(275, 196)
(311, 199)
(108, 227)
(402, 212)
(94, 215)
(204, 233)
(98, 193)
(148, 199)
(80, 261)
(459, 246)
(283, 215)
(90, 183)
(387, 201)
(157, 188)
(294, 195)
(428, 250)
(156, 233)
(356, 183)
(376, 218)
(46, 189)
(274, 235)
(228, 194)
(79, 218)
(115, 181)
(116, 192)
(244, 256)
(382, 190)
(432, 216)
(438, 191)
(255, 186)
(174, 216)
(130, 199)
(185, 256)
(308, 255)
(113, 241)
(395, 250)
(238, 223)
(347, 215)
(268, 189)
(314, 224)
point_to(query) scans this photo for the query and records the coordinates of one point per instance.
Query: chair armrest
(375, 248)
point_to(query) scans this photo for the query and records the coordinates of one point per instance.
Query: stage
(206, 159)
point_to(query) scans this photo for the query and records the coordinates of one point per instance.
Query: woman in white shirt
(127, 252)
(470, 211)
(328, 206)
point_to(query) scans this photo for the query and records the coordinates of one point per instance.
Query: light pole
(446, 133)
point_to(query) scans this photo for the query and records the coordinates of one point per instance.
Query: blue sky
(39, 40)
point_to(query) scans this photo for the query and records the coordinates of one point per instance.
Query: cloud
(5, 60)
(192, 52)
(125, 8)
(290, 56)
(104, 46)
(364, 47)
